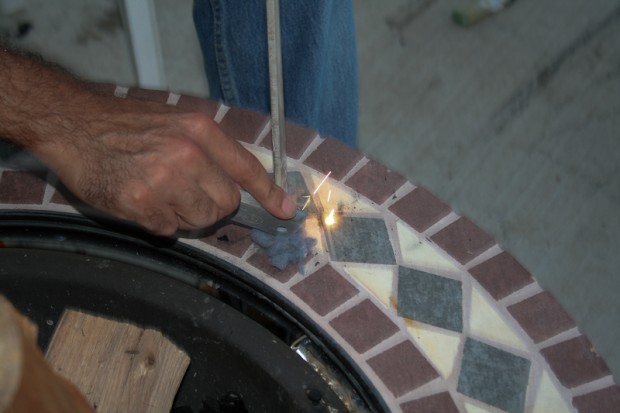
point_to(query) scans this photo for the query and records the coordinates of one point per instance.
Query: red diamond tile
(232, 239)
(194, 104)
(420, 209)
(501, 275)
(575, 362)
(463, 240)
(541, 316)
(297, 140)
(437, 403)
(324, 290)
(376, 182)
(148, 94)
(333, 156)
(364, 326)
(18, 187)
(243, 125)
(403, 368)
(606, 400)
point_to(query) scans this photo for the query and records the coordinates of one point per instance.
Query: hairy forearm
(143, 161)
(39, 103)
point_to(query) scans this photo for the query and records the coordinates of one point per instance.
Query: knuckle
(138, 194)
(159, 175)
(156, 222)
(198, 122)
(186, 152)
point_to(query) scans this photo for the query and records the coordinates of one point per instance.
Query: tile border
(579, 373)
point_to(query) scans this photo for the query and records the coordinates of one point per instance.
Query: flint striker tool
(250, 212)
(276, 92)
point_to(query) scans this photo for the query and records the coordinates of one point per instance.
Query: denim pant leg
(318, 56)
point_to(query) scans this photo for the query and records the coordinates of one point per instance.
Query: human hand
(155, 165)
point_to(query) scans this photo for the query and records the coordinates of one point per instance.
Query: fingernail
(288, 206)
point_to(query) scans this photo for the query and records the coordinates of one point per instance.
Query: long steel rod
(276, 90)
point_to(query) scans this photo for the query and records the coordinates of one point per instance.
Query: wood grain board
(116, 365)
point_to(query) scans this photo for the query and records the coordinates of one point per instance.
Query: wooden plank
(10, 354)
(27, 383)
(118, 366)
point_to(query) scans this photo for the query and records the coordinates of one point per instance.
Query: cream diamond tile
(420, 253)
(549, 398)
(377, 280)
(337, 197)
(440, 348)
(471, 408)
(485, 322)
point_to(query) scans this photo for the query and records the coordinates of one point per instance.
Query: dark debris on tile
(430, 299)
(231, 238)
(494, 376)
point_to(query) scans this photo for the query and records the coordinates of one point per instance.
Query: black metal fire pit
(239, 339)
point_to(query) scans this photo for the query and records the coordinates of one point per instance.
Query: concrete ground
(515, 122)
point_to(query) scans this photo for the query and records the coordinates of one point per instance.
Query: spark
(329, 196)
(306, 204)
(330, 219)
(321, 183)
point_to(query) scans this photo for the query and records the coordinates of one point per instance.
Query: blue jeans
(318, 57)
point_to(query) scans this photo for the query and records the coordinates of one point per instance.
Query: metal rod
(276, 90)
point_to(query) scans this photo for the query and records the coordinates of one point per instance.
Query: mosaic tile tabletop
(436, 315)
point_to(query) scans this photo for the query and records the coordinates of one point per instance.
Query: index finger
(243, 168)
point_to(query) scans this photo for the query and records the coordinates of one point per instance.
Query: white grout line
(483, 257)
(173, 99)
(521, 294)
(598, 384)
(49, 189)
(441, 224)
(314, 144)
(263, 134)
(121, 91)
(400, 193)
(359, 165)
(221, 112)
(559, 338)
